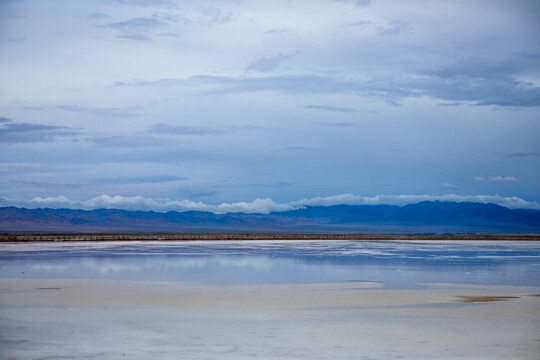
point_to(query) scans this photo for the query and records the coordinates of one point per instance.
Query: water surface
(269, 300)
(395, 264)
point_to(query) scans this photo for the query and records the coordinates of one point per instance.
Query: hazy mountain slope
(424, 217)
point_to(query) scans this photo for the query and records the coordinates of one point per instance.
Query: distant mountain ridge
(424, 217)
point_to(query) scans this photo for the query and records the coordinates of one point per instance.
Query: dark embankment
(254, 236)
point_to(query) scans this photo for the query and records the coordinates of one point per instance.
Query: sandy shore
(88, 319)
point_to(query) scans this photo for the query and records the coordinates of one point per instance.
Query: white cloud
(497, 178)
(350, 199)
(503, 179)
(479, 179)
(259, 206)
(450, 186)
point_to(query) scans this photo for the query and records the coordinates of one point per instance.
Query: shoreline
(84, 237)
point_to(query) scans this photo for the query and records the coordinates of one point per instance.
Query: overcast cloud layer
(223, 105)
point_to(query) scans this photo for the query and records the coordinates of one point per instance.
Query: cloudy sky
(247, 105)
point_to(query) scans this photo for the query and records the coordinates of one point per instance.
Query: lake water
(270, 299)
(403, 265)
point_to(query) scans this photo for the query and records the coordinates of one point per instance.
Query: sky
(258, 106)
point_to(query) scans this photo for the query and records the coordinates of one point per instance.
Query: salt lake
(270, 300)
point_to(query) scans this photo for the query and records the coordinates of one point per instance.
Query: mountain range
(428, 217)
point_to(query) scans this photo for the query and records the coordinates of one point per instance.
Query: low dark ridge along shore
(24, 238)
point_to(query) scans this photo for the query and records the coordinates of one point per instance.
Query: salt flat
(143, 301)
(86, 319)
